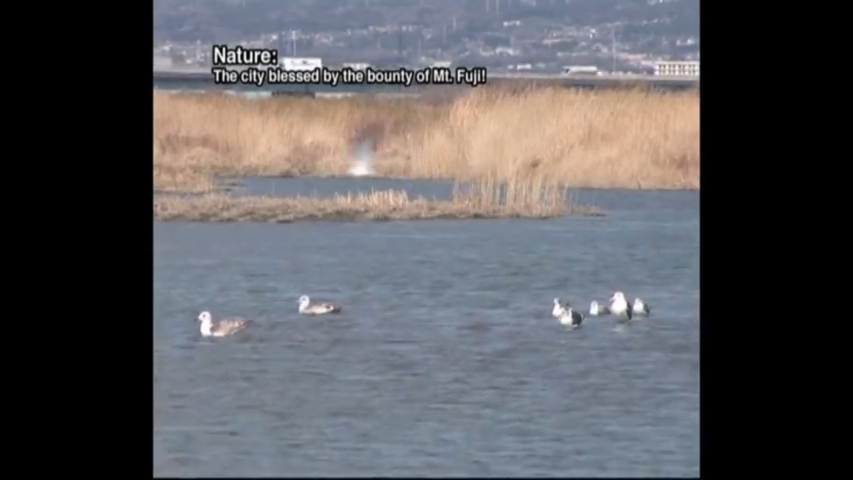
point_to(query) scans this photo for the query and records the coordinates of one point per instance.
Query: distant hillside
(230, 20)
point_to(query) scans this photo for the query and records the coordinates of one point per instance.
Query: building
(301, 63)
(580, 70)
(677, 69)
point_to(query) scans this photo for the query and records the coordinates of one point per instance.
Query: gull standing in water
(558, 310)
(222, 328)
(640, 308)
(307, 308)
(596, 309)
(571, 319)
(620, 308)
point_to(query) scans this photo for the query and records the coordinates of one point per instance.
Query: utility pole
(400, 42)
(613, 50)
(293, 40)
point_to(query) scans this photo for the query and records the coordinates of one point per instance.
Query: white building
(580, 70)
(677, 69)
(356, 65)
(301, 63)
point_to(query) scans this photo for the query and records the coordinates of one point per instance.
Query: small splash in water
(362, 165)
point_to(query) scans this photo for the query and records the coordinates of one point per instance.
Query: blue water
(445, 360)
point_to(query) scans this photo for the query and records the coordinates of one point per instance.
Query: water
(445, 360)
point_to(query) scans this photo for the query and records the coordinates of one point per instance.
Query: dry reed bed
(484, 199)
(607, 139)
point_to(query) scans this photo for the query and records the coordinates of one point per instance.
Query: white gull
(307, 308)
(571, 318)
(596, 309)
(620, 308)
(640, 308)
(558, 309)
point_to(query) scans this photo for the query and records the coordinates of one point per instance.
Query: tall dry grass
(627, 138)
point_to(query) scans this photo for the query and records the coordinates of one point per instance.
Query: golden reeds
(557, 137)
(477, 200)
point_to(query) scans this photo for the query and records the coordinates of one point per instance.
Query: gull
(558, 309)
(221, 328)
(619, 307)
(640, 308)
(571, 319)
(596, 309)
(306, 308)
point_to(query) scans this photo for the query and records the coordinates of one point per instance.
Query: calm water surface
(445, 360)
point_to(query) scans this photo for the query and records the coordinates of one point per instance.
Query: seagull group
(227, 327)
(618, 306)
(564, 313)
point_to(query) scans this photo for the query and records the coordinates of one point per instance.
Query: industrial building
(677, 69)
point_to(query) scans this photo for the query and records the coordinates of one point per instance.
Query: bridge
(202, 78)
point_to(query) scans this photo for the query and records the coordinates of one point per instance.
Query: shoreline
(479, 200)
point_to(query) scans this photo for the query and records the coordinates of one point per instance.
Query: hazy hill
(230, 20)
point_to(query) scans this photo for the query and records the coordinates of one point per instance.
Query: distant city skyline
(545, 34)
